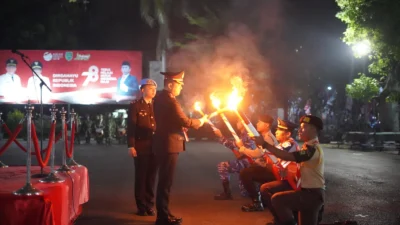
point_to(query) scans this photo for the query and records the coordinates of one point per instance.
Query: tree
(378, 22)
(156, 12)
(363, 88)
(40, 24)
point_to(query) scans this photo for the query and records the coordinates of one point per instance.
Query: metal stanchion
(2, 165)
(73, 119)
(52, 177)
(64, 167)
(28, 189)
(1, 126)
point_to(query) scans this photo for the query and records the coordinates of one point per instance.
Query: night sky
(308, 26)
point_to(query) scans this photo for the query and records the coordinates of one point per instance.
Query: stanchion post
(2, 165)
(28, 189)
(1, 126)
(52, 177)
(64, 167)
(72, 162)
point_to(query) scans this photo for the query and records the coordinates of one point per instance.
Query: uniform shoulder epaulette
(170, 95)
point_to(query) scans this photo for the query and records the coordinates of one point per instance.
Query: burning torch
(197, 107)
(233, 101)
(216, 103)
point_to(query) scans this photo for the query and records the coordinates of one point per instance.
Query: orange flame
(215, 101)
(234, 99)
(197, 106)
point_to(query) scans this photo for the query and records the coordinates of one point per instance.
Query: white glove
(203, 120)
(241, 149)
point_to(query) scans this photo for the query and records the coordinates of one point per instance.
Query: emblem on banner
(47, 56)
(69, 56)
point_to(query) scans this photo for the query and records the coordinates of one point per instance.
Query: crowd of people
(291, 176)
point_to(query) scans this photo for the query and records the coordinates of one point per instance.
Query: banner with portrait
(74, 77)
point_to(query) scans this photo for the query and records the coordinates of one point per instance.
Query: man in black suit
(127, 84)
(169, 141)
(141, 127)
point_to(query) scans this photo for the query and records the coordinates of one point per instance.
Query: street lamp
(329, 88)
(362, 48)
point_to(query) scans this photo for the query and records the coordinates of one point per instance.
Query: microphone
(19, 53)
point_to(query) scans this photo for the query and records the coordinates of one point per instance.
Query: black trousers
(269, 189)
(145, 176)
(166, 170)
(256, 173)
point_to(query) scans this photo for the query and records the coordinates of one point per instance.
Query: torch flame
(197, 106)
(234, 99)
(215, 101)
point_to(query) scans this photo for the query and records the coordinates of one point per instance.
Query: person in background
(10, 82)
(141, 128)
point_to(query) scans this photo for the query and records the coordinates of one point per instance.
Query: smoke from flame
(218, 64)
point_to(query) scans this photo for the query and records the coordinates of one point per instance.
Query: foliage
(363, 88)
(13, 119)
(378, 22)
(156, 12)
(40, 24)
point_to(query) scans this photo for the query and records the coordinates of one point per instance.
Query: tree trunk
(395, 110)
(389, 116)
(163, 60)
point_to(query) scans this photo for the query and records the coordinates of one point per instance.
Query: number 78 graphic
(92, 75)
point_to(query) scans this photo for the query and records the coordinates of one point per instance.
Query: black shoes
(255, 206)
(146, 212)
(223, 196)
(171, 220)
(226, 195)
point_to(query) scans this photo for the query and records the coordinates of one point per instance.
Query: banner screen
(75, 77)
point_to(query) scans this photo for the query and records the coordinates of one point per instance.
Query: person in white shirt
(34, 84)
(10, 83)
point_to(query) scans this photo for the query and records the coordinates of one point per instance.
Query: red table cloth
(60, 203)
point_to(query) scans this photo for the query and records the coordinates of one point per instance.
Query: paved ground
(362, 186)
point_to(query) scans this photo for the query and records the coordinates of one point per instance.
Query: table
(60, 204)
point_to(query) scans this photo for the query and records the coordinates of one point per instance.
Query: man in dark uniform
(87, 128)
(310, 198)
(141, 127)
(169, 141)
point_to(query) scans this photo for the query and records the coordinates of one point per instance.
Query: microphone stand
(42, 83)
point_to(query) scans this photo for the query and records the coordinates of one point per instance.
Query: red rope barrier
(10, 134)
(11, 138)
(69, 149)
(15, 141)
(18, 143)
(59, 136)
(35, 140)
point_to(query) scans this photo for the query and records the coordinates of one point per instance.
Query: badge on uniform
(142, 113)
